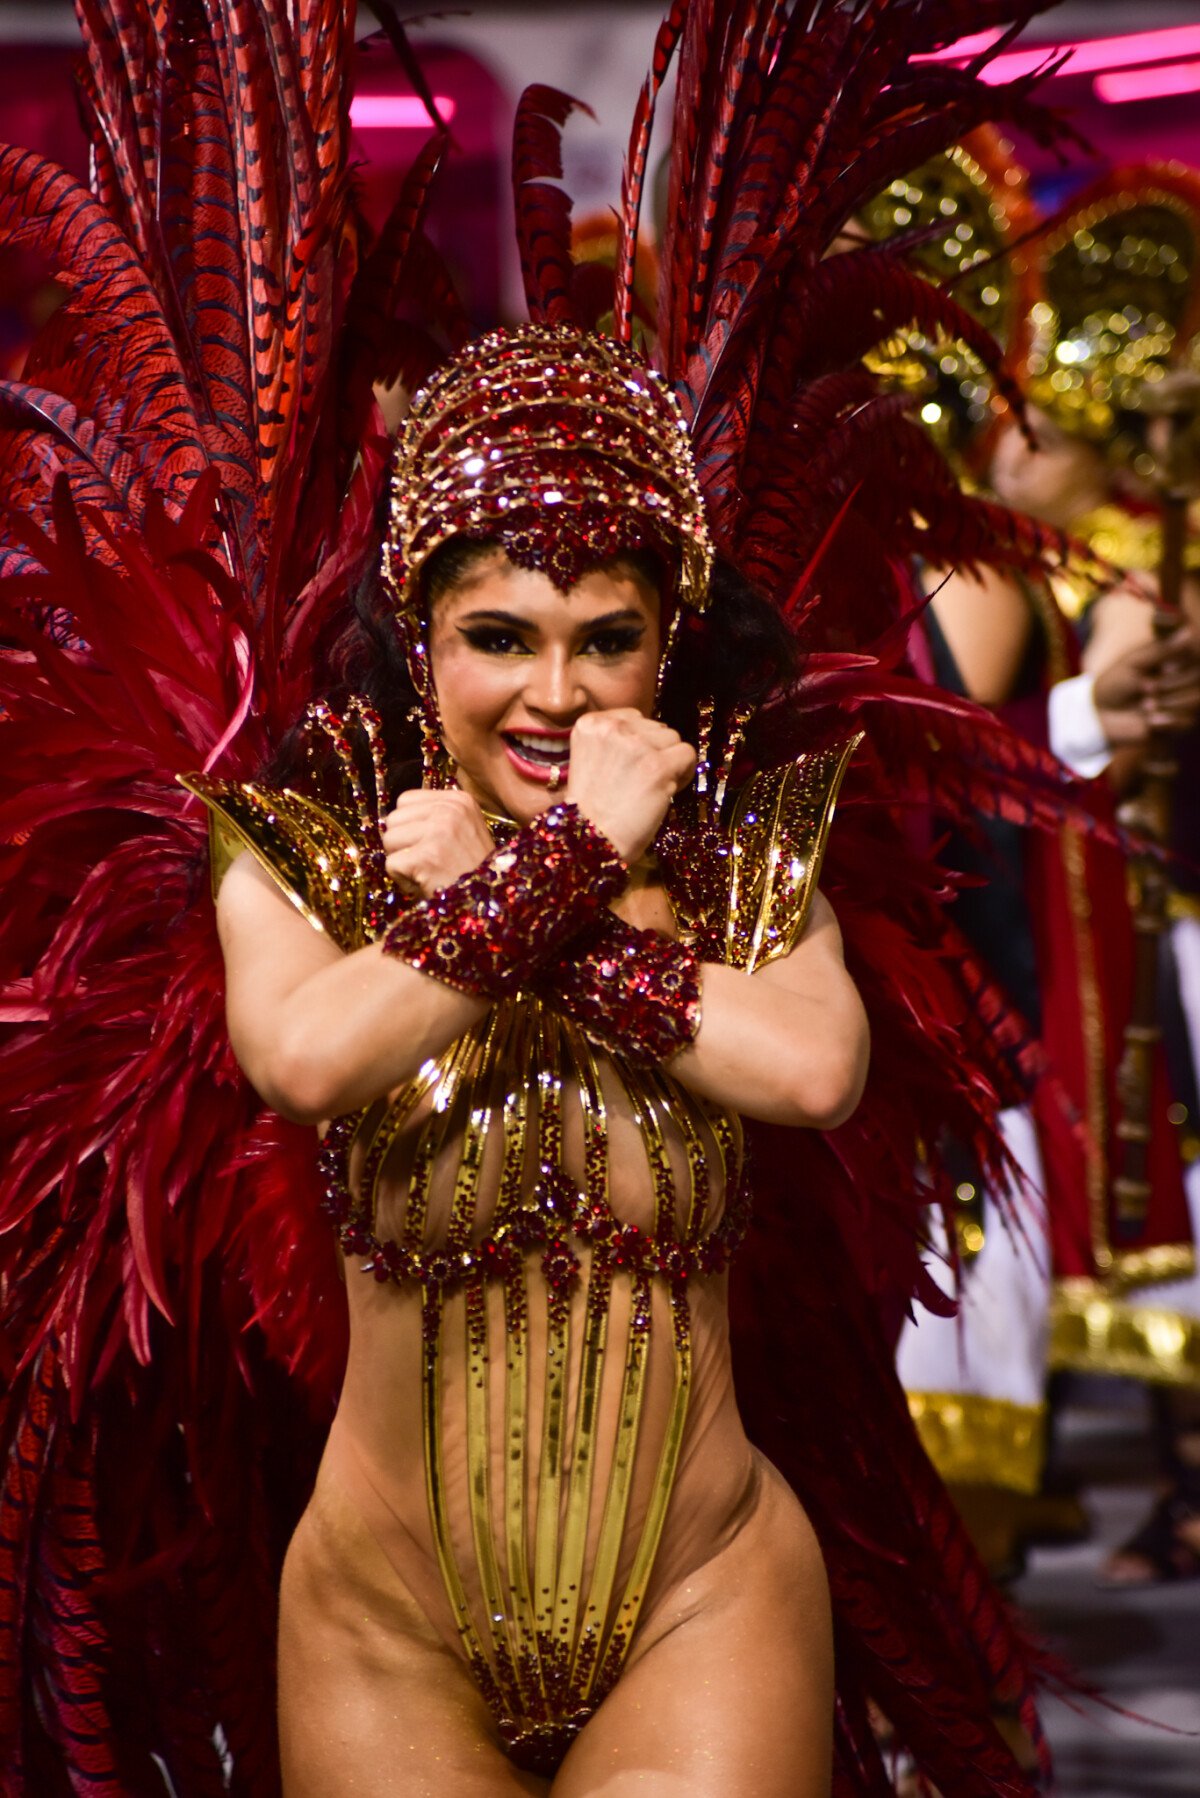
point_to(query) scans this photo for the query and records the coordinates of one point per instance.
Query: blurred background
(1132, 89)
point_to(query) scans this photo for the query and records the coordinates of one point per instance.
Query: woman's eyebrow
(492, 615)
(628, 615)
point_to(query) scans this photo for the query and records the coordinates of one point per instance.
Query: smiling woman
(514, 667)
(538, 1494)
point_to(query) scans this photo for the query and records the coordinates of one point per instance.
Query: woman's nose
(552, 686)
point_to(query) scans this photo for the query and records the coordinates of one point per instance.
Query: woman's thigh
(372, 1703)
(731, 1694)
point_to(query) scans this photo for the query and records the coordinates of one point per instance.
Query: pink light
(965, 47)
(397, 112)
(1148, 84)
(1098, 53)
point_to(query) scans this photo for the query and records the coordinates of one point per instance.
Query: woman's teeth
(550, 752)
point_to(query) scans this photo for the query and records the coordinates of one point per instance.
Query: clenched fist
(625, 770)
(431, 838)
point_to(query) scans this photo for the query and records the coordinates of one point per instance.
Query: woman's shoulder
(743, 888)
(793, 799)
(321, 854)
(778, 832)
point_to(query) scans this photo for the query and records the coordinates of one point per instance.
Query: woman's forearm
(357, 1030)
(324, 1033)
(776, 1052)
(363, 1025)
(318, 1032)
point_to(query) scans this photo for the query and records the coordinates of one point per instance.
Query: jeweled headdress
(560, 444)
(1121, 301)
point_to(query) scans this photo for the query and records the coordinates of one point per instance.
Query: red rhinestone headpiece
(561, 445)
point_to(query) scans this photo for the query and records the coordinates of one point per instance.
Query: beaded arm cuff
(490, 931)
(634, 992)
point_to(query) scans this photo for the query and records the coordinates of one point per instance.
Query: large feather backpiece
(190, 470)
(189, 476)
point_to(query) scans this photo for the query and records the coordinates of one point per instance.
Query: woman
(537, 1475)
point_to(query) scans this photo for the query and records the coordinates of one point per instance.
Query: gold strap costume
(559, 1592)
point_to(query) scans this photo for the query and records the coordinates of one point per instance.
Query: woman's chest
(525, 1133)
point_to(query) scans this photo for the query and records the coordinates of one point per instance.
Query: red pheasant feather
(109, 355)
(543, 208)
(634, 178)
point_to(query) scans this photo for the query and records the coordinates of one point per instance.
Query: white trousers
(976, 1383)
(996, 1346)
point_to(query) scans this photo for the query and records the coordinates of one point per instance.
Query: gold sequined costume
(534, 1281)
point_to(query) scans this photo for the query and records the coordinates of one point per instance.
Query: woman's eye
(614, 642)
(494, 641)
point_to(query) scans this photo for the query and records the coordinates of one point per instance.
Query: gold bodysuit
(553, 1277)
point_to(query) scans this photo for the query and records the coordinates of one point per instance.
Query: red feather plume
(543, 208)
(786, 120)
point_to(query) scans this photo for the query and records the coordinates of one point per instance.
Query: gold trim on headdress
(977, 196)
(564, 447)
(1121, 278)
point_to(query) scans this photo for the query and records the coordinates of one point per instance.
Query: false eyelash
(491, 639)
(494, 641)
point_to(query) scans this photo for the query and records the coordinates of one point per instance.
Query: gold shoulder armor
(778, 836)
(313, 852)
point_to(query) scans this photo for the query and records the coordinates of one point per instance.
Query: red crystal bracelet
(633, 991)
(489, 932)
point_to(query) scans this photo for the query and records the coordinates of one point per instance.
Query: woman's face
(515, 663)
(1059, 481)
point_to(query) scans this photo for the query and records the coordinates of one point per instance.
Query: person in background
(1046, 917)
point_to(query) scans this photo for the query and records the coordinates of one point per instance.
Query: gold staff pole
(1175, 404)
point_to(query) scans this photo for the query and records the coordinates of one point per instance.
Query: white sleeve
(1076, 733)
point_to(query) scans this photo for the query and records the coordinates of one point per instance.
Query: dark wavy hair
(739, 650)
